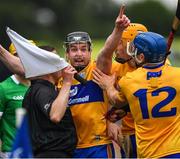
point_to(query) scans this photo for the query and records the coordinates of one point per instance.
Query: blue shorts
(130, 150)
(123, 154)
(133, 146)
(176, 155)
(100, 151)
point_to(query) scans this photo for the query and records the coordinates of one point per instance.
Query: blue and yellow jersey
(154, 99)
(88, 105)
(128, 121)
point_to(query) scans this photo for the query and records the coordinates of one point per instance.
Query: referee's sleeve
(44, 99)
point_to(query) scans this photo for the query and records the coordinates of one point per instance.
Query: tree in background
(51, 20)
(152, 14)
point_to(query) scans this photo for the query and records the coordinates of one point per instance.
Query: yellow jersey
(127, 121)
(88, 105)
(154, 99)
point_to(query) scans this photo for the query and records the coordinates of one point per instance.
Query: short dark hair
(47, 48)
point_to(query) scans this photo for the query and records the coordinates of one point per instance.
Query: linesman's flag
(22, 145)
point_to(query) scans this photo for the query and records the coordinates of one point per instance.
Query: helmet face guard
(133, 51)
(127, 37)
(76, 38)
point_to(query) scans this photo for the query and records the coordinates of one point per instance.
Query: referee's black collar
(42, 81)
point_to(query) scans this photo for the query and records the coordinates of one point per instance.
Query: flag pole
(20, 112)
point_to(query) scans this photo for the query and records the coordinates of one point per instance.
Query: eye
(73, 49)
(84, 49)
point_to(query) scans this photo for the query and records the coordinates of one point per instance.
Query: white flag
(36, 61)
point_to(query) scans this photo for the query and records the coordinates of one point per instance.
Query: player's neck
(22, 80)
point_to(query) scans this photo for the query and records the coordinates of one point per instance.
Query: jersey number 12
(142, 95)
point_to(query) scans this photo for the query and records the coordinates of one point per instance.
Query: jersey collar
(15, 79)
(154, 67)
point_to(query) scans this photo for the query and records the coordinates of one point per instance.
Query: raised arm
(12, 62)
(104, 59)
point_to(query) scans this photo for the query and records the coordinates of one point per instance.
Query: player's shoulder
(172, 69)
(91, 65)
(132, 77)
(134, 74)
(6, 82)
(87, 71)
(6, 85)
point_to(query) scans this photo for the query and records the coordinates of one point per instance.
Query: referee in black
(52, 129)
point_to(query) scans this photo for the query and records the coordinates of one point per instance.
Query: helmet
(12, 49)
(131, 31)
(77, 37)
(128, 36)
(152, 45)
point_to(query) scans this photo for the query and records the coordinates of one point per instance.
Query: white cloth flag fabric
(36, 61)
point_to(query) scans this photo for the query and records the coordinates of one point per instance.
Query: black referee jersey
(48, 139)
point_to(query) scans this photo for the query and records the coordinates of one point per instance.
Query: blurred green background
(49, 21)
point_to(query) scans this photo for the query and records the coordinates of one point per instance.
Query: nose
(79, 52)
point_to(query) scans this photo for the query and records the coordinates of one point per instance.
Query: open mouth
(79, 60)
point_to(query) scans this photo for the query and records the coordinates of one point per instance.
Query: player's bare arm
(104, 59)
(12, 62)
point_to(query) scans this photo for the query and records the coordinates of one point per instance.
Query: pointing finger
(121, 12)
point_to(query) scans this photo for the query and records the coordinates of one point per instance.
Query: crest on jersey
(73, 91)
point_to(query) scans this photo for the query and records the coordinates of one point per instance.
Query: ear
(67, 56)
(141, 57)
